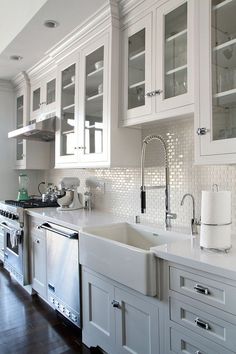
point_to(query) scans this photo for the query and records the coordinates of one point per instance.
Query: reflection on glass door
(223, 69)
(94, 122)
(175, 57)
(68, 111)
(136, 70)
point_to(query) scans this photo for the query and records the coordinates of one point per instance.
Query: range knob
(15, 217)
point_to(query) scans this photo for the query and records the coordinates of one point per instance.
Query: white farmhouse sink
(122, 252)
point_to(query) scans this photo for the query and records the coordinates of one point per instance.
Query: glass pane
(223, 69)
(36, 99)
(68, 111)
(51, 91)
(93, 130)
(19, 149)
(176, 52)
(19, 111)
(136, 70)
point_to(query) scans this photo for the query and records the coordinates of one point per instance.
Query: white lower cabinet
(116, 320)
(38, 258)
(201, 312)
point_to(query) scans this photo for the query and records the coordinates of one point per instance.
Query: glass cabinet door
(175, 55)
(223, 56)
(137, 68)
(50, 94)
(67, 128)
(19, 124)
(36, 100)
(175, 52)
(94, 92)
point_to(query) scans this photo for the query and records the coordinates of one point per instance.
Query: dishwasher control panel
(69, 313)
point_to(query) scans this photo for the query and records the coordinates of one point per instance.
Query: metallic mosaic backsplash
(122, 185)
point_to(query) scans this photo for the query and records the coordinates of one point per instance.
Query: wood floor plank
(29, 326)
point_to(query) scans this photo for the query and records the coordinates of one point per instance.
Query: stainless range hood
(40, 131)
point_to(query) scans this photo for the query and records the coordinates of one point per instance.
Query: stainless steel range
(14, 236)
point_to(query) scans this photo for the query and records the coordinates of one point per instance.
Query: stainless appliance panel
(63, 271)
(1, 243)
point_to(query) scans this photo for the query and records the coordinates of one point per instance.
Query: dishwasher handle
(48, 227)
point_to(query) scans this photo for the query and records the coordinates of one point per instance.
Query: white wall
(8, 177)
(122, 194)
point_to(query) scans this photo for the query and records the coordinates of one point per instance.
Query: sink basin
(123, 253)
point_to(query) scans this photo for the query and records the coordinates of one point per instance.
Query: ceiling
(30, 38)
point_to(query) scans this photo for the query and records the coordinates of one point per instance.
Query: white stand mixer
(70, 201)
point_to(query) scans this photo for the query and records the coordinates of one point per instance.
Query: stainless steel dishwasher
(63, 271)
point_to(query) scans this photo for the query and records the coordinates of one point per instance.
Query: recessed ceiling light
(16, 57)
(51, 24)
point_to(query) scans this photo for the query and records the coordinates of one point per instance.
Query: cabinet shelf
(224, 14)
(95, 72)
(220, 54)
(69, 109)
(137, 84)
(137, 56)
(177, 35)
(173, 71)
(69, 87)
(222, 5)
(68, 132)
(20, 108)
(95, 97)
(226, 97)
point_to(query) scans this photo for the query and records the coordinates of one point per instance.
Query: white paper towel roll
(216, 207)
(217, 237)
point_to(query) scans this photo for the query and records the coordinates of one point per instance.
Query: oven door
(13, 247)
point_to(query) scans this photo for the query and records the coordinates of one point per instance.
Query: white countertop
(74, 219)
(188, 253)
(185, 252)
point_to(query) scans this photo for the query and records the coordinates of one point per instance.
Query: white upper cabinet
(137, 68)
(94, 93)
(43, 97)
(67, 110)
(158, 63)
(216, 123)
(88, 133)
(28, 154)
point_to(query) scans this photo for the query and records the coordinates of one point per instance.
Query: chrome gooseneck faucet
(194, 221)
(168, 214)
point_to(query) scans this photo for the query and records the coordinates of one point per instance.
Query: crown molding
(6, 86)
(107, 15)
(125, 6)
(20, 80)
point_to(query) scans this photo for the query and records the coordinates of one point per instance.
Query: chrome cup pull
(202, 324)
(201, 289)
(115, 304)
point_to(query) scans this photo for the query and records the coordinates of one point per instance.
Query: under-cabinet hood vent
(40, 131)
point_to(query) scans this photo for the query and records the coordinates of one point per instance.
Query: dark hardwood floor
(29, 326)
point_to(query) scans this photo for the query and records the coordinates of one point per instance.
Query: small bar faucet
(194, 221)
(168, 214)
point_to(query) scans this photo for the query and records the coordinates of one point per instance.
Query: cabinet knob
(37, 241)
(115, 304)
(202, 131)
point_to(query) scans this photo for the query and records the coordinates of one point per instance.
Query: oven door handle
(48, 227)
(3, 224)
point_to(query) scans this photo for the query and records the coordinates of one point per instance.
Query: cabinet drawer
(203, 323)
(181, 341)
(211, 292)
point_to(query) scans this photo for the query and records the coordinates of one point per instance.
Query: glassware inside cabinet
(223, 37)
(176, 65)
(136, 70)
(94, 122)
(68, 111)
